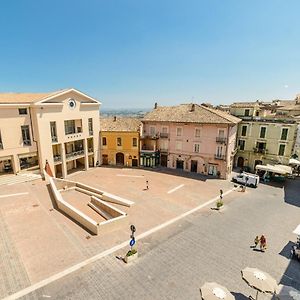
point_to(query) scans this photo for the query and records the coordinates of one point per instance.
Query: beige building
(61, 128)
(265, 141)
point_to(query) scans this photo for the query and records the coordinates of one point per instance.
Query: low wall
(116, 199)
(71, 211)
(62, 184)
(89, 188)
(107, 208)
(111, 224)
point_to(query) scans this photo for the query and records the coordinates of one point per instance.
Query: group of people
(261, 241)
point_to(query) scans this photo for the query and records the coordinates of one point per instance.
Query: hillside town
(64, 130)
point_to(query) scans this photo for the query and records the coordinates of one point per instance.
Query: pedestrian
(221, 195)
(263, 243)
(147, 185)
(256, 241)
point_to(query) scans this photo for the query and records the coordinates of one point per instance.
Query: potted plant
(131, 255)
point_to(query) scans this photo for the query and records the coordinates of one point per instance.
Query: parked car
(246, 179)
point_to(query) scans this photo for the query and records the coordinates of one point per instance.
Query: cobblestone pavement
(206, 246)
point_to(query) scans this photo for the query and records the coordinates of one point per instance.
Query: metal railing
(164, 135)
(220, 139)
(219, 156)
(27, 142)
(74, 154)
(258, 150)
(54, 139)
(57, 158)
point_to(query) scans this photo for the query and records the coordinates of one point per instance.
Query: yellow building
(265, 141)
(120, 141)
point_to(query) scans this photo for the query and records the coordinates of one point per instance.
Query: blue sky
(134, 53)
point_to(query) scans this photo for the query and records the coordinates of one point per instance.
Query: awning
(278, 169)
(24, 155)
(294, 161)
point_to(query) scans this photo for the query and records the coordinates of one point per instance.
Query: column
(86, 156)
(63, 159)
(15, 164)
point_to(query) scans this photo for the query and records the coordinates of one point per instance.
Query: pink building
(190, 137)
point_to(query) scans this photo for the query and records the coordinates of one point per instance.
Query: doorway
(104, 159)
(240, 162)
(179, 164)
(194, 166)
(164, 160)
(120, 159)
(212, 170)
(134, 162)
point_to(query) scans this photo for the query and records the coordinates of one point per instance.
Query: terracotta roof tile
(183, 113)
(120, 124)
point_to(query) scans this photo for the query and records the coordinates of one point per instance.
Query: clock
(72, 103)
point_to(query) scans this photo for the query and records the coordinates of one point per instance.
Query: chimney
(192, 107)
(155, 105)
(115, 118)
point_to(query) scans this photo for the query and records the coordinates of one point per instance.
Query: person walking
(221, 195)
(263, 243)
(256, 241)
(147, 185)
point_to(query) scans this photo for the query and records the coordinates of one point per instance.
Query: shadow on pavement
(286, 251)
(239, 296)
(291, 192)
(291, 275)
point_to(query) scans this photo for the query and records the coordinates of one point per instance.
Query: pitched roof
(25, 98)
(245, 104)
(184, 114)
(119, 124)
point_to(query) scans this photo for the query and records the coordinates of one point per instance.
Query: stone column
(63, 159)
(15, 164)
(86, 156)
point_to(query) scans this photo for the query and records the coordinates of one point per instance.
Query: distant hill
(125, 112)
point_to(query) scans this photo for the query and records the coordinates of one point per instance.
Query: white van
(248, 179)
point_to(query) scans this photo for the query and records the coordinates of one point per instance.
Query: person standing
(147, 185)
(263, 243)
(256, 241)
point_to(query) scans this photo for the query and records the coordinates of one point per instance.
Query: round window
(72, 103)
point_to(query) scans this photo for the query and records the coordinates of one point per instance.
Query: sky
(133, 53)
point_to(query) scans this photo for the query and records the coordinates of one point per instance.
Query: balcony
(164, 135)
(57, 158)
(91, 132)
(219, 157)
(163, 150)
(221, 140)
(74, 154)
(151, 136)
(54, 139)
(1, 145)
(27, 142)
(258, 150)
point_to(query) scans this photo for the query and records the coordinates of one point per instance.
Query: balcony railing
(74, 154)
(91, 132)
(219, 156)
(221, 140)
(164, 135)
(258, 150)
(54, 139)
(150, 136)
(27, 142)
(1, 145)
(56, 158)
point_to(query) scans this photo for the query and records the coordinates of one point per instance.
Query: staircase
(19, 178)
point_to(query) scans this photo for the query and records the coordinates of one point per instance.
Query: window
(197, 148)
(242, 144)
(119, 142)
(197, 132)
(164, 129)
(262, 134)
(247, 112)
(284, 134)
(53, 131)
(178, 131)
(244, 130)
(69, 126)
(178, 145)
(1, 144)
(104, 143)
(152, 131)
(22, 111)
(26, 135)
(221, 133)
(90, 121)
(281, 149)
(134, 142)
(219, 151)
